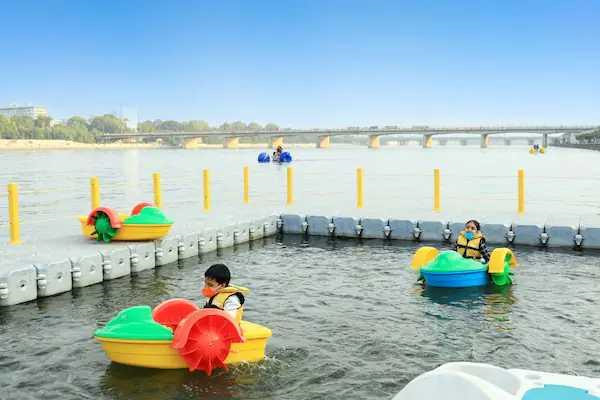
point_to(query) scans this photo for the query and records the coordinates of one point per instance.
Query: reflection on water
(497, 307)
(131, 171)
(125, 382)
(495, 302)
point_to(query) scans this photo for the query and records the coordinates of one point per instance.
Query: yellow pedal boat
(144, 223)
(161, 354)
(186, 337)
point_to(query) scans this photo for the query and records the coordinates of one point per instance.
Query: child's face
(212, 283)
(470, 227)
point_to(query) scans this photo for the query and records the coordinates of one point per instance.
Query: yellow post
(359, 188)
(95, 191)
(246, 185)
(521, 209)
(206, 179)
(13, 213)
(290, 185)
(156, 188)
(436, 189)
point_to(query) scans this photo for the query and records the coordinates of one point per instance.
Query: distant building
(27, 111)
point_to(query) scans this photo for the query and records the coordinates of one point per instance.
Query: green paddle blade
(104, 230)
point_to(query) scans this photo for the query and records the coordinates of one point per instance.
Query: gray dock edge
(498, 234)
(23, 283)
(91, 263)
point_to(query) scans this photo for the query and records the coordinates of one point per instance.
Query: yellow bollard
(521, 207)
(206, 181)
(436, 189)
(246, 185)
(290, 185)
(359, 188)
(156, 188)
(13, 213)
(95, 192)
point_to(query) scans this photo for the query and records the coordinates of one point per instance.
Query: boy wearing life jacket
(470, 243)
(221, 294)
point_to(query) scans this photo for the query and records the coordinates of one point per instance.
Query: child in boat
(221, 294)
(277, 153)
(470, 242)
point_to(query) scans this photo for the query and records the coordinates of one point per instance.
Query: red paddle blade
(171, 312)
(138, 207)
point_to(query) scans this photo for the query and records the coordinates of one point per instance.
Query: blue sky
(307, 63)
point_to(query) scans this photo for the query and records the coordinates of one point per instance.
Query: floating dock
(54, 267)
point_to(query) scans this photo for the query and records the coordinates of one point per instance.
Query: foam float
(475, 381)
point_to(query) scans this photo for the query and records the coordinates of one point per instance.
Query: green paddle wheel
(103, 230)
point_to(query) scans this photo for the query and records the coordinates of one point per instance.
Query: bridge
(323, 136)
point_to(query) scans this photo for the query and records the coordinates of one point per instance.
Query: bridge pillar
(276, 141)
(485, 140)
(231, 142)
(443, 142)
(427, 141)
(507, 141)
(463, 142)
(324, 142)
(545, 140)
(192, 143)
(374, 142)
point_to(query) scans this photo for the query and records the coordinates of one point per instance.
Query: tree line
(75, 128)
(86, 130)
(589, 138)
(199, 126)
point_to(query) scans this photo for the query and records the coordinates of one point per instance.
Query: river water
(561, 186)
(348, 319)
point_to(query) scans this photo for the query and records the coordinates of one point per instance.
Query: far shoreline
(46, 144)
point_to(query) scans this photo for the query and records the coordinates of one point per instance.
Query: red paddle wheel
(203, 337)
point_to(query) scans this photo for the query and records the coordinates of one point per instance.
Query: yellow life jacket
(218, 300)
(468, 248)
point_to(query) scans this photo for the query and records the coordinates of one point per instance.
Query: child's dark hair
(475, 222)
(220, 273)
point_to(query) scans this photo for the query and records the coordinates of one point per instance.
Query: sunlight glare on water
(561, 185)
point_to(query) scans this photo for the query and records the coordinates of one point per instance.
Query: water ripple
(348, 323)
